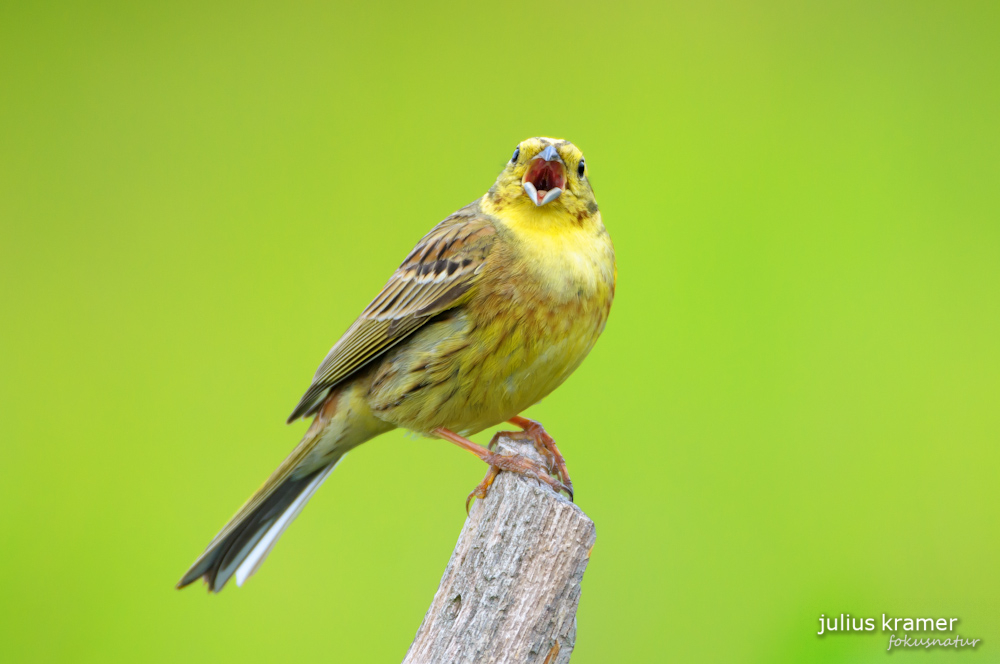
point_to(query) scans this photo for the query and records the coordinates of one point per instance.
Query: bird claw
(546, 446)
(482, 488)
(515, 464)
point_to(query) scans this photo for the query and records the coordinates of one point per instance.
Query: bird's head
(544, 176)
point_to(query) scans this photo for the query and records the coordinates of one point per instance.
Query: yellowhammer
(492, 310)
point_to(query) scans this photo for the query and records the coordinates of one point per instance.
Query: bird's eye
(517, 153)
(581, 167)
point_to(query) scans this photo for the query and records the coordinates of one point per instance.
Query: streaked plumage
(492, 310)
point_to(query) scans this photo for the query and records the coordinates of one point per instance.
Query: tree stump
(512, 586)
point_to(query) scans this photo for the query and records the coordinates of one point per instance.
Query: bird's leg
(515, 464)
(546, 446)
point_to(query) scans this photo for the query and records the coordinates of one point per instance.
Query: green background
(794, 410)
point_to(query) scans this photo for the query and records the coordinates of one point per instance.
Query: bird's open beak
(546, 177)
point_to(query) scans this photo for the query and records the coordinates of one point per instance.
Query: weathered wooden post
(512, 585)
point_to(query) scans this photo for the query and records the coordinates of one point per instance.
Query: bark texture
(512, 585)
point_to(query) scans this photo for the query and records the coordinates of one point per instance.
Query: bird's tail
(243, 544)
(246, 540)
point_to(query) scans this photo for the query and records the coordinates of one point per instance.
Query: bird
(491, 311)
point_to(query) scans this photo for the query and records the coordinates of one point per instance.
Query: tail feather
(260, 551)
(344, 422)
(248, 538)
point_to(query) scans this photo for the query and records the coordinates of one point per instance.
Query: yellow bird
(491, 311)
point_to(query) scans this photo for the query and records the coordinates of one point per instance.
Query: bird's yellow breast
(542, 300)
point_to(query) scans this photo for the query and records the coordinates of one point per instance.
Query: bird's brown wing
(437, 275)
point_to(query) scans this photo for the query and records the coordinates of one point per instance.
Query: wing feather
(435, 276)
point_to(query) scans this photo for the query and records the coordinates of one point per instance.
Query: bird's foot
(546, 446)
(514, 463)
